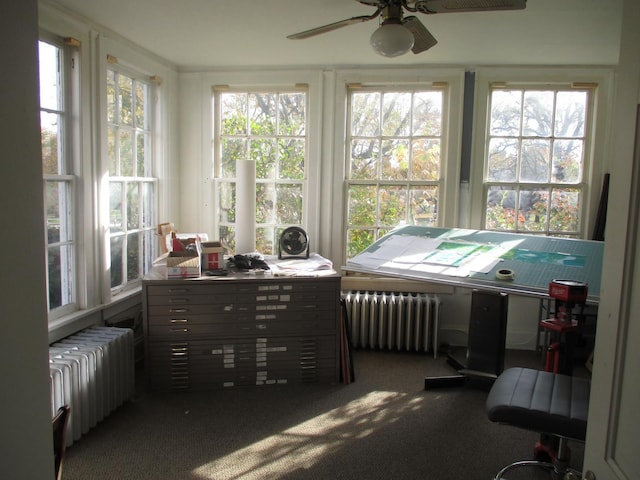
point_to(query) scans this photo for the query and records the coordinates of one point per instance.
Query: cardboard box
(212, 257)
(183, 264)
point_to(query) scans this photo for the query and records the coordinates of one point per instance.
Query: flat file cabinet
(240, 330)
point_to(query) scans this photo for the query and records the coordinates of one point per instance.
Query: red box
(568, 291)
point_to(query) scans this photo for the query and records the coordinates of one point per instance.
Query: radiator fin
(92, 371)
(393, 321)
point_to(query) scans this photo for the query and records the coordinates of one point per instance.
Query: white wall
(26, 426)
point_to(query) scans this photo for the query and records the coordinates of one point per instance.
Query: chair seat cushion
(540, 401)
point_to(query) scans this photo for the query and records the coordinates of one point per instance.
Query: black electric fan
(294, 243)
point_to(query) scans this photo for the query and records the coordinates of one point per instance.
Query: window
(132, 185)
(260, 155)
(57, 70)
(394, 161)
(537, 142)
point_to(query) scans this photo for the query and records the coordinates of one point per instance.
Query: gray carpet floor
(382, 426)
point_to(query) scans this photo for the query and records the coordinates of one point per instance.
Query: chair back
(60, 437)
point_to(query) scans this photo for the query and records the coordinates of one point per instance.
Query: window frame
(71, 177)
(216, 155)
(598, 79)
(151, 82)
(410, 78)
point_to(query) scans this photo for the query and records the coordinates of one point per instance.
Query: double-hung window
(537, 146)
(132, 182)
(395, 139)
(58, 75)
(260, 157)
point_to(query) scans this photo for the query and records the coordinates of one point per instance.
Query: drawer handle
(178, 290)
(179, 320)
(176, 330)
(178, 310)
(178, 300)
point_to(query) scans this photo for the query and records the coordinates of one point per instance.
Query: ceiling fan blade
(333, 26)
(455, 6)
(422, 38)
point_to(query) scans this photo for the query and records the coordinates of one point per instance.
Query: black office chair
(549, 403)
(59, 423)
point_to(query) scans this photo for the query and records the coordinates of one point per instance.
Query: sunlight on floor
(308, 443)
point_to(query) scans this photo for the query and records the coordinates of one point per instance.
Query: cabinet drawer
(263, 361)
(187, 328)
(233, 287)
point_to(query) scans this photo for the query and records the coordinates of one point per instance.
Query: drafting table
(471, 259)
(476, 259)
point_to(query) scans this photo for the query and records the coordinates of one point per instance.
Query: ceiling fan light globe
(392, 40)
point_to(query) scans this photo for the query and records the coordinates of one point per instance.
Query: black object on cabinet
(485, 344)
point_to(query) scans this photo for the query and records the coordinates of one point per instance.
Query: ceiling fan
(398, 34)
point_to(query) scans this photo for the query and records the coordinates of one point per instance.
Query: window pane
(571, 111)
(395, 160)
(564, 214)
(538, 114)
(265, 203)
(362, 205)
(263, 152)
(233, 111)
(427, 113)
(126, 153)
(535, 161)
(111, 97)
(291, 159)
(140, 156)
(227, 201)
(111, 151)
(396, 114)
(227, 236)
(54, 269)
(292, 114)
(365, 155)
(359, 239)
(532, 210)
(503, 160)
(115, 206)
(148, 196)
(262, 113)
(50, 66)
(233, 149)
(506, 107)
(567, 161)
(116, 261)
(501, 204)
(393, 205)
(365, 114)
(425, 160)
(133, 206)
(423, 206)
(133, 256)
(59, 211)
(289, 204)
(51, 135)
(265, 240)
(125, 90)
(141, 105)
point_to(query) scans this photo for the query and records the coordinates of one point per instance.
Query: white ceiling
(195, 34)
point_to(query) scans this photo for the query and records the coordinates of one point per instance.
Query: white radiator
(393, 321)
(92, 371)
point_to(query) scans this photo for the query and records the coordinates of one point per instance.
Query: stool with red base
(562, 330)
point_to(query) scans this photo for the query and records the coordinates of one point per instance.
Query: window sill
(74, 322)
